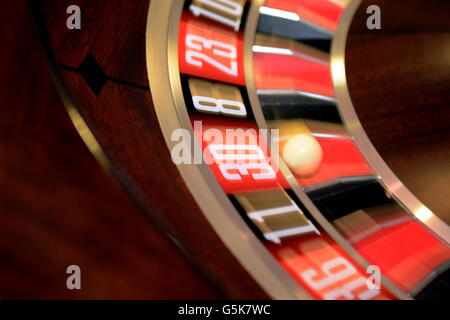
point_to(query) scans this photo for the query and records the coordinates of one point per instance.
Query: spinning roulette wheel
(282, 148)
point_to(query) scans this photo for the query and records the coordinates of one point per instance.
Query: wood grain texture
(405, 16)
(399, 81)
(58, 207)
(123, 120)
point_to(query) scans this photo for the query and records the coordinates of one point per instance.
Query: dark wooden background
(399, 81)
(58, 207)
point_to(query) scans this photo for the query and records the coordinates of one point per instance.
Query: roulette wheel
(282, 149)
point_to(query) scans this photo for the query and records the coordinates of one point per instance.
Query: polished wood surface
(399, 81)
(58, 207)
(138, 236)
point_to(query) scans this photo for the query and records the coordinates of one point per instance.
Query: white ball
(303, 154)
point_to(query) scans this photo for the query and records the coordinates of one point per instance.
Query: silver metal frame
(249, 37)
(165, 84)
(386, 176)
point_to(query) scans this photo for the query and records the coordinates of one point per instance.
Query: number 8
(226, 107)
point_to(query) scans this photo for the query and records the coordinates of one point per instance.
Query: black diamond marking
(96, 78)
(93, 74)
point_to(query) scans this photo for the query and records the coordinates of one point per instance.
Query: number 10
(218, 11)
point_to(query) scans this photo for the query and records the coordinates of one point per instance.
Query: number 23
(221, 49)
